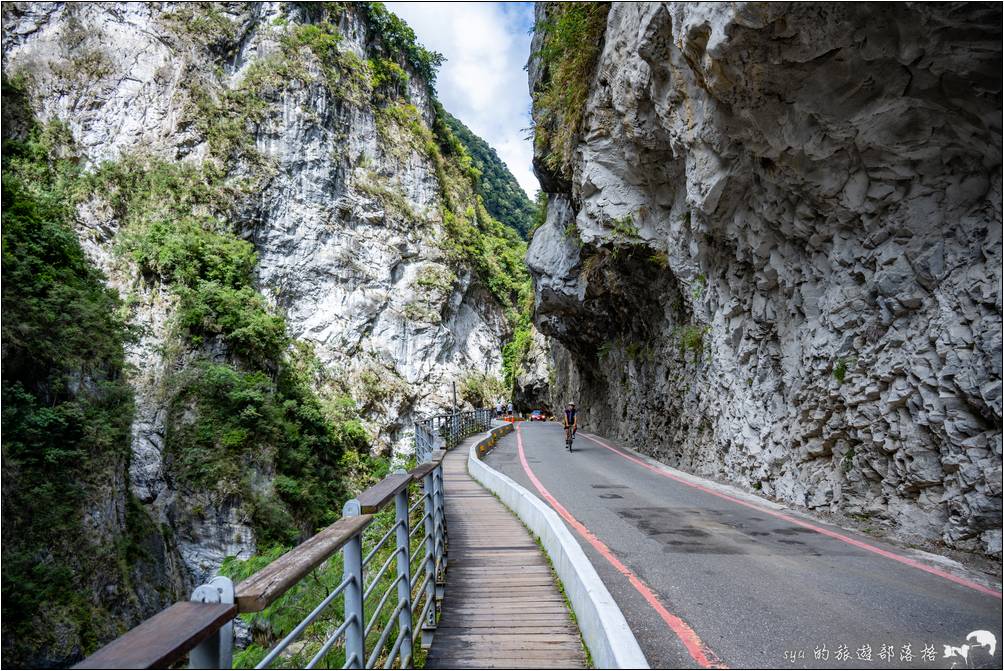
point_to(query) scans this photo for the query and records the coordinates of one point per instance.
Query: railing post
(352, 555)
(404, 619)
(429, 626)
(216, 652)
(442, 533)
(423, 442)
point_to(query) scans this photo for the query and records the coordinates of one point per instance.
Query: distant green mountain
(504, 198)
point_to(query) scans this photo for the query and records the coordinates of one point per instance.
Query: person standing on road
(510, 408)
(498, 409)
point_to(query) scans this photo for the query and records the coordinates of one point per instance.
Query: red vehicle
(538, 416)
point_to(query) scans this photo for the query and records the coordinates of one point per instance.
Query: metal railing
(382, 599)
(446, 431)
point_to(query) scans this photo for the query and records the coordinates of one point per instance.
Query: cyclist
(570, 423)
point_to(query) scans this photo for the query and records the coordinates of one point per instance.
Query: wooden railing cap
(377, 496)
(260, 590)
(163, 639)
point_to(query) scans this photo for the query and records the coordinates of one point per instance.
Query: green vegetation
(228, 425)
(847, 462)
(624, 227)
(390, 195)
(481, 389)
(504, 197)
(698, 289)
(840, 369)
(379, 384)
(397, 41)
(659, 259)
(515, 351)
(638, 351)
(256, 410)
(388, 78)
(66, 409)
(422, 311)
(212, 274)
(205, 23)
(436, 279)
(244, 421)
(691, 338)
(539, 212)
(473, 236)
(572, 35)
(403, 131)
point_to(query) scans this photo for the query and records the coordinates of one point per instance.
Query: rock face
(346, 219)
(776, 259)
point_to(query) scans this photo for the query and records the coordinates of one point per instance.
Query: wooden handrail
(163, 639)
(377, 496)
(169, 636)
(422, 470)
(260, 590)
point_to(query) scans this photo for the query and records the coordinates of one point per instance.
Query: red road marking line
(826, 532)
(691, 641)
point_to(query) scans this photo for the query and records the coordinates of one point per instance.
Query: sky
(482, 82)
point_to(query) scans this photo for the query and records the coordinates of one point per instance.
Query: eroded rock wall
(776, 258)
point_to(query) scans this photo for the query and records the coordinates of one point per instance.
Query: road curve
(708, 578)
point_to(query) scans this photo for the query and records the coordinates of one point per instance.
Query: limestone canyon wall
(776, 256)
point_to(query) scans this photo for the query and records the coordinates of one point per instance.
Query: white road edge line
(611, 642)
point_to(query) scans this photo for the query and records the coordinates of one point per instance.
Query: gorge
(245, 247)
(300, 263)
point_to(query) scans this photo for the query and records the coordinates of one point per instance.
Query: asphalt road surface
(710, 577)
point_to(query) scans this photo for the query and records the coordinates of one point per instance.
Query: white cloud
(483, 82)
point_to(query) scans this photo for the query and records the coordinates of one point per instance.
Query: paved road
(708, 577)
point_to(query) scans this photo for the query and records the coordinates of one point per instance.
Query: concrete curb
(611, 642)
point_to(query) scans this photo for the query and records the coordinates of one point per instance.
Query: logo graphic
(961, 651)
(983, 639)
(976, 639)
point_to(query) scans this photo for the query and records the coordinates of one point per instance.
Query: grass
(436, 279)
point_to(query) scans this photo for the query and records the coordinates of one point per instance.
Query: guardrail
(446, 431)
(392, 577)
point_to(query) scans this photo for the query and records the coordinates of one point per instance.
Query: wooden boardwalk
(502, 608)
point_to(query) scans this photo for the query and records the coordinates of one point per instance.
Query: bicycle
(569, 437)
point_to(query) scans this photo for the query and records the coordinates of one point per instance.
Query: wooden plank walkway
(502, 608)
